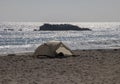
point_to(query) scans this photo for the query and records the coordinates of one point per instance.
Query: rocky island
(61, 27)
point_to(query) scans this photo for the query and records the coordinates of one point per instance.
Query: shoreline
(30, 53)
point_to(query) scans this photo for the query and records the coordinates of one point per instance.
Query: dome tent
(53, 49)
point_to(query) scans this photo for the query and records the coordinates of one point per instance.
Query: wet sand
(87, 67)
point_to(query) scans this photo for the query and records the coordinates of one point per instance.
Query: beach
(59, 42)
(96, 66)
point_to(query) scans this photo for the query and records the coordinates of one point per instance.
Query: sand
(88, 67)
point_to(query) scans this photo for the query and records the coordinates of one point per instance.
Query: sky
(60, 10)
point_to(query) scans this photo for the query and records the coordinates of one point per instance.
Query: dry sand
(89, 67)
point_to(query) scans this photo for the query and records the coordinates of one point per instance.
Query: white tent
(53, 49)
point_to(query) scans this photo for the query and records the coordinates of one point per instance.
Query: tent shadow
(55, 57)
(51, 57)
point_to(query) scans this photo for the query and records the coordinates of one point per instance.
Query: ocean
(20, 37)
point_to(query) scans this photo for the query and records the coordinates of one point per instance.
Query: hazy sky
(60, 10)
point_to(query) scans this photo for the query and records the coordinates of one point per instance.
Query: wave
(104, 35)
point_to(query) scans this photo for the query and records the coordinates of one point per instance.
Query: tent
(53, 49)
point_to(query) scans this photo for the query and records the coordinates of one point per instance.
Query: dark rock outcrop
(61, 27)
(8, 29)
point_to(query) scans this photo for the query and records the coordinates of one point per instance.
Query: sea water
(19, 37)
